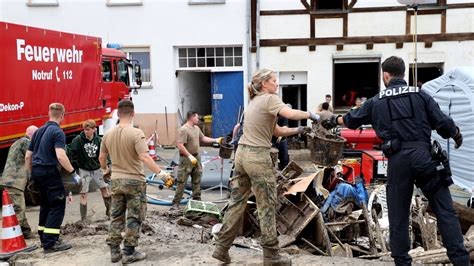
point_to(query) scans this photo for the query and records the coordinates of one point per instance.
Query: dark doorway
(354, 80)
(426, 72)
(329, 4)
(296, 96)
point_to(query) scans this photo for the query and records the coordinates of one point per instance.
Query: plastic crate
(203, 207)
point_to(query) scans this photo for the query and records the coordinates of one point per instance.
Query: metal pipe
(257, 60)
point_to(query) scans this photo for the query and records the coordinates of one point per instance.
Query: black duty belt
(416, 144)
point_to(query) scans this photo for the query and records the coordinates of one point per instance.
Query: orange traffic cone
(12, 238)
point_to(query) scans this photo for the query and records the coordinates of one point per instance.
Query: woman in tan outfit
(253, 166)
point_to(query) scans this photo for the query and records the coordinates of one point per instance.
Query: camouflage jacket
(15, 174)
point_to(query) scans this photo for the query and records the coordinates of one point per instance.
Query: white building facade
(336, 47)
(193, 52)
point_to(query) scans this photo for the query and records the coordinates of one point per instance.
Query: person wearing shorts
(84, 152)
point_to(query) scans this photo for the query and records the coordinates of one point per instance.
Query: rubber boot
(115, 254)
(27, 234)
(130, 255)
(271, 257)
(107, 202)
(221, 254)
(83, 209)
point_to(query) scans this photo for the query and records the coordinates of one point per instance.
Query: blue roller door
(227, 97)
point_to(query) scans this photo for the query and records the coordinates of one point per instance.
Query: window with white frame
(200, 57)
(124, 2)
(42, 3)
(142, 55)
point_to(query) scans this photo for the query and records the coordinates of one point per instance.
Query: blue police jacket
(402, 112)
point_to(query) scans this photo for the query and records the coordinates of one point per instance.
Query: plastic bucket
(225, 150)
(327, 150)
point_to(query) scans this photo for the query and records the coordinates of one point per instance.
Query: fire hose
(160, 184)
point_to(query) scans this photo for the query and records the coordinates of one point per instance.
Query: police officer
(403, 117)
(15, 177)
(46, 151)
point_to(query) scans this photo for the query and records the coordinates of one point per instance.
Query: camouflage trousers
(128, 197)
(186, 168)
(18, 200)
(253, 173)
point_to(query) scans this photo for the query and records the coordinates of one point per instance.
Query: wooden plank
(369, 226)
(314, 247)
(378, 231)
(326, 240)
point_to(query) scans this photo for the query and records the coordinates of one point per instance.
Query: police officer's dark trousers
(52, 203)
(283, 156)
(404, 167)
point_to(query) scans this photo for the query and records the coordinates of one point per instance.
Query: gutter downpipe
(257, 26)
(248, 37)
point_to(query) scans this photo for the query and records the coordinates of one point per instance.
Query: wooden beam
(329, 15)
(379, 9)
(468, 36)
(253, 25)
(351, 5)
(283, 48)
(305, 4)
(369, 46)
(407, 23)
(283, 12)
(312, 10)
(312, 29)
(253, 49)
(443, 22)
(339, 47)
(399, 45)
(345, 5)
(345, 22)
(312, 48)
(427, 11)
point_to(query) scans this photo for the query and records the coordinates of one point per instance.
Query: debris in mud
(82, 229)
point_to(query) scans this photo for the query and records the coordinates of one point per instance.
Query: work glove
(107, 175)
(457, 139)
(304, 130)
(193, 159)
(330, 122)
(76, 179)
(313, 116)
(219, 140)
(166, 178)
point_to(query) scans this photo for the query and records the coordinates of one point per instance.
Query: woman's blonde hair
(255, 87)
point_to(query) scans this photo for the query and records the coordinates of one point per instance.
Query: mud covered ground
(164, 241)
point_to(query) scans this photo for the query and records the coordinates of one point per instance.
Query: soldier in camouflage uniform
(253, 167)
(15, 177)
(189, 138)
(128, 151)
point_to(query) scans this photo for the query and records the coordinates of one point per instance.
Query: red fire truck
(42, 66)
